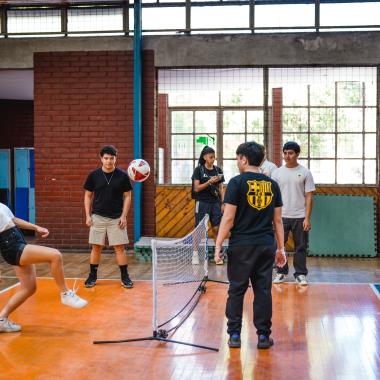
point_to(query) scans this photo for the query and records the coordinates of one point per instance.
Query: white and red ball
(138, 170)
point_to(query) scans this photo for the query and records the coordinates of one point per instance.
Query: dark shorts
(213, 210)
(12, 244)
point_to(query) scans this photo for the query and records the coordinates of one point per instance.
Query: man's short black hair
(108, 149)
(253, 151)
(291, 145)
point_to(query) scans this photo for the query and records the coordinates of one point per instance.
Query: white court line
(375, 290)
(83, 278)
(67, 278)
(9, 288)
(323, 283)
(285, 282)
(115, 279)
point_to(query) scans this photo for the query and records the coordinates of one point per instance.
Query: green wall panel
(343, 225)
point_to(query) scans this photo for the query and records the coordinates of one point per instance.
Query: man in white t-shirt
(297, 185)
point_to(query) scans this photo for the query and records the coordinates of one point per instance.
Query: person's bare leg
(121, 255)
(96, 251)
(34, 254)
(27, 277)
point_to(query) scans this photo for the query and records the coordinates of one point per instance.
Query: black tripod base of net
(207, 279)
(160, 336)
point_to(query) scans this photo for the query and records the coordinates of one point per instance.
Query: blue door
(24, 183)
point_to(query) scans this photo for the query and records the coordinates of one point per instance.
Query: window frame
(268, 136)
(219, 132)
(363, 107)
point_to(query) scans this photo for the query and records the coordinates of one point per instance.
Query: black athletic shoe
(91, 281)
(126, 282)
(264, 342)
(234, 341)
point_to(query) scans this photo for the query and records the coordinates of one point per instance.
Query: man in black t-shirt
(252, 206)
(107, 201)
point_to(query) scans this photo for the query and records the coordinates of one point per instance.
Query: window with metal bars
(221, 108)
(180, 16)
(329, 111)
(21, 22)
(106, 19)
(192, 129)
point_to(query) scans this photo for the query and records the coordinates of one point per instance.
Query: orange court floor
(323, 331)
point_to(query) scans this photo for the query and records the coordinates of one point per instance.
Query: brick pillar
(163, 120)
(148, 227)
(277, 126)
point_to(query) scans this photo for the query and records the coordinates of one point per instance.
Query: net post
(154, 284)
(206, 219)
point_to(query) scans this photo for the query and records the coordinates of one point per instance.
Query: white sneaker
(301, 280)
(278, 278)
(70, 298)
(195, 258)
(7, 326)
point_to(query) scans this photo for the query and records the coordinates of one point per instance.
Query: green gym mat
(343, 225)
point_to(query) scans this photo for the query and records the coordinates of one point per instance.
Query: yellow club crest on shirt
(259, 194)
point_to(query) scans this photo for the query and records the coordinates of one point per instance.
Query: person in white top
(15, 251)
(267, 167)
(297, 185)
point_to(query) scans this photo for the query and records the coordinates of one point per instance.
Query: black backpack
(213, 189)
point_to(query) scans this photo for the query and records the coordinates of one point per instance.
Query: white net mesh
(179, 267)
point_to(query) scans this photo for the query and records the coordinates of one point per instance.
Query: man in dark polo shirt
(107, 201)
(252, 207)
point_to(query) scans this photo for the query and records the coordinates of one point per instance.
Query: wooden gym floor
(328, 330)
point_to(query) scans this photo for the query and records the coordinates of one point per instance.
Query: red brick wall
(16, 123)
(277, 125)
(84, 100)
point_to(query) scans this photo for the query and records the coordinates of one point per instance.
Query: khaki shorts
(102, 226)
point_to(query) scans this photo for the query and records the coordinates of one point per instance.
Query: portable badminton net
(180, 272)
